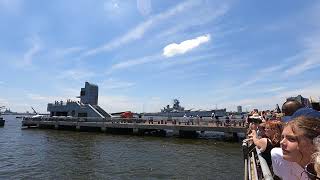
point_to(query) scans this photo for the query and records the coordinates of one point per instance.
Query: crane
(34, 111)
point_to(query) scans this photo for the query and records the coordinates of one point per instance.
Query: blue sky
(144, 53)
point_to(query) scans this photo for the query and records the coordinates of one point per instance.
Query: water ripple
(51, 154)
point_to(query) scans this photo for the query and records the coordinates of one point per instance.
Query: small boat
(2, 121)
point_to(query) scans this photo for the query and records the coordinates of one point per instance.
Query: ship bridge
(86, 107)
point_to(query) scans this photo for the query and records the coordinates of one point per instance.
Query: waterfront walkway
(137, 125)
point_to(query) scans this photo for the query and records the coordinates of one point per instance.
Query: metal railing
(255, 166)
(148, 120)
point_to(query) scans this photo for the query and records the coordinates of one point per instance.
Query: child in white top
(284, 169)
(297, 147)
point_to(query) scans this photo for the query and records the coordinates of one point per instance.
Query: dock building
(86, 107)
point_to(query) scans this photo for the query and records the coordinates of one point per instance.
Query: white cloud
(157, 58)
(276, 89)
(193, 21)
(189, 60)
(134, 62)
(185, 46)
(68, 51)
(138, 31)
(116, 103)
(36, 97)
(310, 54)
(144, 7)
(29, 55)
(3, 102)
(39, 102)
(70, 92)
(119, 103)
(310, 60)
(310, 89)
(77, 74)
(116, 84)
(261, 74)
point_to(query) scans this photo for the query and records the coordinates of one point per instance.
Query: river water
(56, 154)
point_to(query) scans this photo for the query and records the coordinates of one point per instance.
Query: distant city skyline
(143, 54)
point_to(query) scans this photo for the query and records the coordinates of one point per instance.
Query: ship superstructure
(86, 107)
(178, 111)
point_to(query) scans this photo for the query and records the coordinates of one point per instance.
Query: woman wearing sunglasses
(297, 148)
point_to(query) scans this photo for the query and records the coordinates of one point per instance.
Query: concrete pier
(133, 127)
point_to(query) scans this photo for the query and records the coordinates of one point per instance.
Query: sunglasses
(309, 170)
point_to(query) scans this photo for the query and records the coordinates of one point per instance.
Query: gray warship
(178, 111)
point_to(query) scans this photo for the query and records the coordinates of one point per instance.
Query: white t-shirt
(286, 170)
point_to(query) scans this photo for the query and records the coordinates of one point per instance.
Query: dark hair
(254, 120)
(291, 106)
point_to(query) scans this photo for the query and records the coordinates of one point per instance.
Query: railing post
(245, 158)
(255, 170)
(254, 161)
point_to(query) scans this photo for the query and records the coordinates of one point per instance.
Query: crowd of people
(288, 139)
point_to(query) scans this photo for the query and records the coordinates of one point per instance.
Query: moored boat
(2, 121)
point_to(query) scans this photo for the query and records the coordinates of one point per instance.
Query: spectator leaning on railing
(272, 131)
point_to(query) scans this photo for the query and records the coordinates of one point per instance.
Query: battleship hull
(217, 112)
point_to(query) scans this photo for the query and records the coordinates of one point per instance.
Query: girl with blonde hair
(297, 147)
